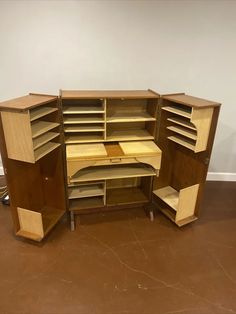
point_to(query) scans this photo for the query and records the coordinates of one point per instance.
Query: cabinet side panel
(52, 173)
(18, 137)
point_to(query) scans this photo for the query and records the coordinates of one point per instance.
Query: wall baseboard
(211, 176)
(221, 176)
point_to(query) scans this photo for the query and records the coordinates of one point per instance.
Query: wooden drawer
(113, 161)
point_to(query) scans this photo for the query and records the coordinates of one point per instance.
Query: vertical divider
(105, 118)
(105, 193)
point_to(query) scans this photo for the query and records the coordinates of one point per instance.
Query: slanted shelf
(95, 173)
(35, 225)
(41, 111)
(180, 205)
(189, 126)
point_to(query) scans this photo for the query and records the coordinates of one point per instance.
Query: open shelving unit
(31, 133)
(83, 116)
(189, 125)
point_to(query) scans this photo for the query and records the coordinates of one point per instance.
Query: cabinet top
(26, 102)
(70, 94)
(191, 101)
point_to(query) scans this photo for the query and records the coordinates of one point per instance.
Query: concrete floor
(121, 263)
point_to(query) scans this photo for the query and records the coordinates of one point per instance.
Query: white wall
(168, 46)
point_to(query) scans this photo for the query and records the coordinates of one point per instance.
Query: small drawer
(114, 161)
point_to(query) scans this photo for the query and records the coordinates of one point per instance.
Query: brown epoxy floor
(121, 263)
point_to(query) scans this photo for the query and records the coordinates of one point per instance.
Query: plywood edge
(30, 222)
(187, 202)
(18, 135)
(202, 119)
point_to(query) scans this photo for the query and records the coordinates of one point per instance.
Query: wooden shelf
(130, 117)
(79, 109)
(40, 127)
(43, 139)
(127, 195)
(40, 112)
(182, 122)
(79, 119)
(83, 191)
(183, 142)
(45, 149)
(182, 131)
(86, 203)
(179, 111)
(169, 195)
(129, 135)
(83, 138)
(112, 172)
(84, 128)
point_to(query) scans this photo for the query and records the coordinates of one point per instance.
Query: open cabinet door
(186, 133)
(32, 155)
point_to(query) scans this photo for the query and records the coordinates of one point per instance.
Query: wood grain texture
(70, 94)
(18, 135)
(191, 101)
(26, 102)
(31, 222)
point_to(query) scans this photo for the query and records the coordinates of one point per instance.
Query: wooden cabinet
(186, 133)
(111, 155)
(31, 148)
(104, 150)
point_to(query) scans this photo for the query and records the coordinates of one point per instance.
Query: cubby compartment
(135, 190)
(83, 106)
(131, 110)
(89, 189)
(130, 131)
(84, 137)
(35, 225)
(86, 195)
(93, 127)
(180, 204)
(84, 120)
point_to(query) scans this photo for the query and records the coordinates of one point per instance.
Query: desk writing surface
(85, 150)
(139, 148)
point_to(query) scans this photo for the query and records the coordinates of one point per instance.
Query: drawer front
(115, 161)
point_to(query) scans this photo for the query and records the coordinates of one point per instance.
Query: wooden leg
(150, 210)
(72, 221)
(151, 215)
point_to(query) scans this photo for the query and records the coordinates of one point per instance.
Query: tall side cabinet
(31, 150)
(86, 151)
(186, 133)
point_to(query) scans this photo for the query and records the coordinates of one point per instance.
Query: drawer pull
(115, 160)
